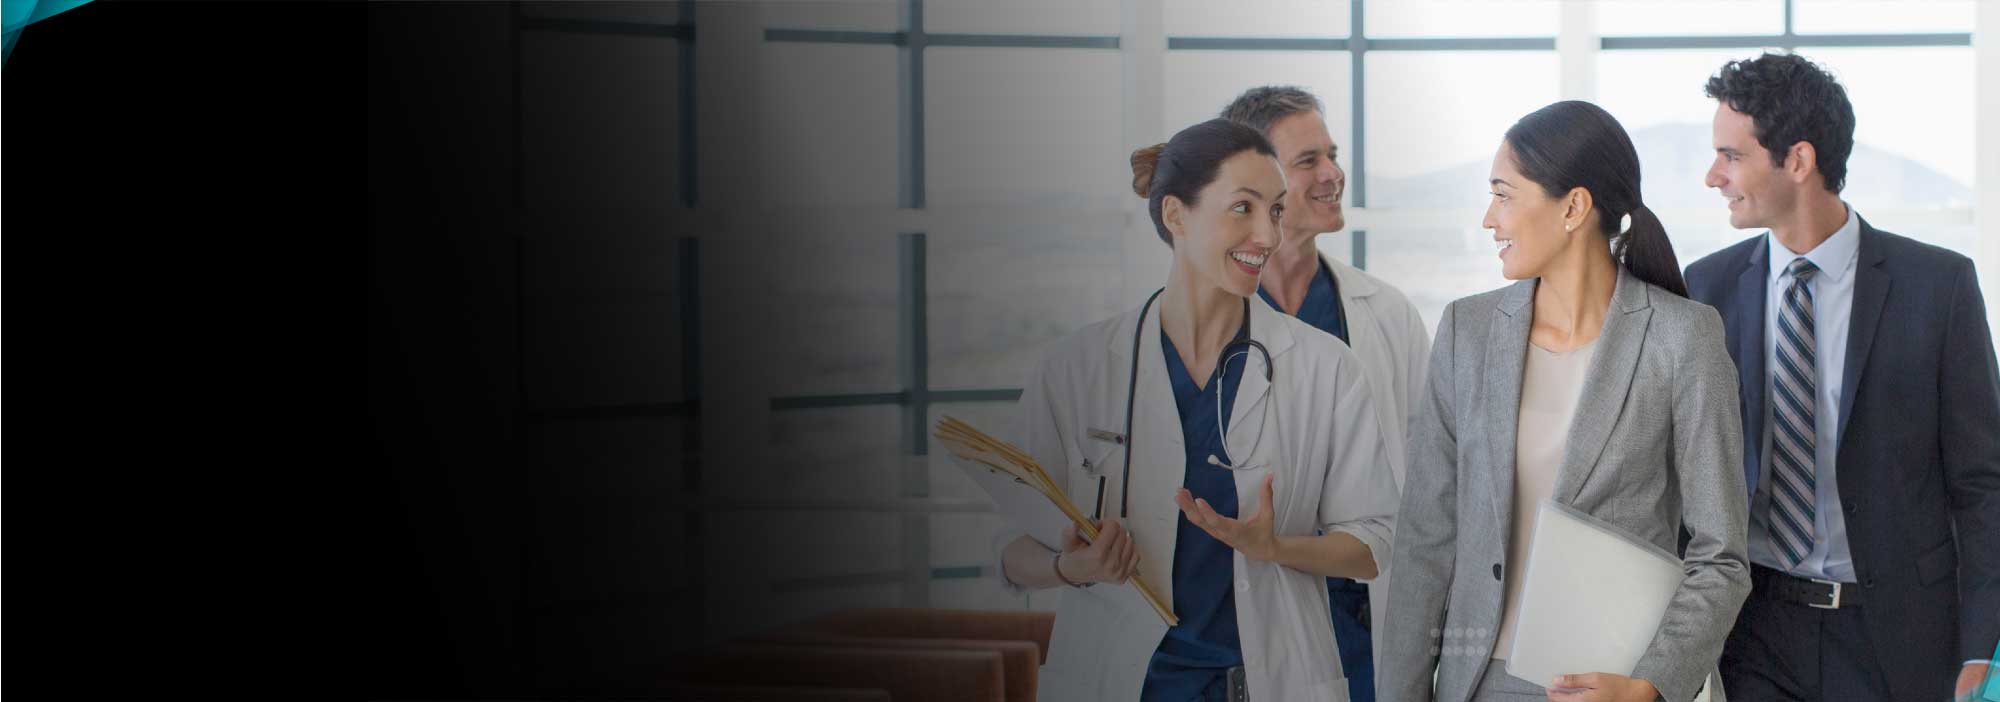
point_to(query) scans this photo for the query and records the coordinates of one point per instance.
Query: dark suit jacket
(1919, 454)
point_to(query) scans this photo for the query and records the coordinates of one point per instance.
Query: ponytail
(1646, 252)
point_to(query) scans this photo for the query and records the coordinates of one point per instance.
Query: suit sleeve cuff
(1672, 684)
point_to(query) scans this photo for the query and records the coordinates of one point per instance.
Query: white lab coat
(1322, 438)
(1387, 334)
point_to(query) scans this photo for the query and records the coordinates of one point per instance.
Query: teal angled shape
(18, 14)
(1993, 678)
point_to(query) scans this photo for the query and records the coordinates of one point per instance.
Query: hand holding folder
(1003, 470)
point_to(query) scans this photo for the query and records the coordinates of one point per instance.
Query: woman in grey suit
(1593, 381)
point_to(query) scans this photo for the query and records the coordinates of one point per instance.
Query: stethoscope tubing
(1132, 396)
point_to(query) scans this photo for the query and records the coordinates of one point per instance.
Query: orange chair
(983, 625)
(1020, 637)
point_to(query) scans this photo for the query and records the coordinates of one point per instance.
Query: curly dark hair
(1791, 99)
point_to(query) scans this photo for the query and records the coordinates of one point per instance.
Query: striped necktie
(1795, 392)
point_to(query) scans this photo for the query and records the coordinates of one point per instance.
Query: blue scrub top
(1322, 306)
(1194, 658)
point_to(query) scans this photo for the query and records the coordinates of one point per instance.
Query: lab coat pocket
(1309, 623)
(1102, 458)
(1104, 637)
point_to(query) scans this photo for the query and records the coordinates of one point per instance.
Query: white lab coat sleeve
(1043, 423)
(1359, 495)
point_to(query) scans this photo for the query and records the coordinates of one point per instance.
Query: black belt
(1811, 592)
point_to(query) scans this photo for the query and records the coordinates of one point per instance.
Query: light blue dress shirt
(1832, 290)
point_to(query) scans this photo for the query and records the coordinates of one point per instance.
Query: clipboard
(1024, 492)
(1019, 504)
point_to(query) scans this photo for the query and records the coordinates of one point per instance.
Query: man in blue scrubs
(1370, 316)
(1194, 658)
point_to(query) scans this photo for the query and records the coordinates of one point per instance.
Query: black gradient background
(184, 312)
(280, 278)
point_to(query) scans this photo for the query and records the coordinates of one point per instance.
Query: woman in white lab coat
(1236, 530)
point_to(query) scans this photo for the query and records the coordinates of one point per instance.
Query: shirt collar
(1834, 257)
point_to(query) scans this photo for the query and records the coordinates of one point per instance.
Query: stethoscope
(1230, 351)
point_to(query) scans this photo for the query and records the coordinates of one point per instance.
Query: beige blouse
(1550, 387)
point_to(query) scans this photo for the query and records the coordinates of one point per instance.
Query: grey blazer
(1656, 449)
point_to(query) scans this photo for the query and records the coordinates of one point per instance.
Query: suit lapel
(1605, 384)
(1745, 310)
(1506, 359)
(1871, 290)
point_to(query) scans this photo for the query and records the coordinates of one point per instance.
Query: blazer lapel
(1506, 360)
(1745, 312)
(1871, 290)
(1606, 384)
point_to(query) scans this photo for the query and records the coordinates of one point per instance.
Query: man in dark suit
(1871, 412)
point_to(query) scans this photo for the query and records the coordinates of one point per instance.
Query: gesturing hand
(1113, 558)
(1254, 537)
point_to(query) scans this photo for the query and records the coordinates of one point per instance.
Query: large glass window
(1200, 83)
(847, 15)
(1258, 18)
(1027, 126)
(583, 97)
(1461, 18)
(1883, 17)
(1434, 120)
(832, 123)
(1690, 18)
(1044, 17)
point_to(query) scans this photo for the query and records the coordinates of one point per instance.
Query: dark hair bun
(1144, 161)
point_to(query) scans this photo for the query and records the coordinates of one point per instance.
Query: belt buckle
(1239, 685)
(1835, 604)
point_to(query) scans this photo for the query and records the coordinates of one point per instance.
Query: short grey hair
(1259, 108)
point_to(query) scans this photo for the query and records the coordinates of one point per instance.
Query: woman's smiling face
(1229, 232)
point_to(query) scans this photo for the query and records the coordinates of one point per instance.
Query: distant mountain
(1674, 158)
